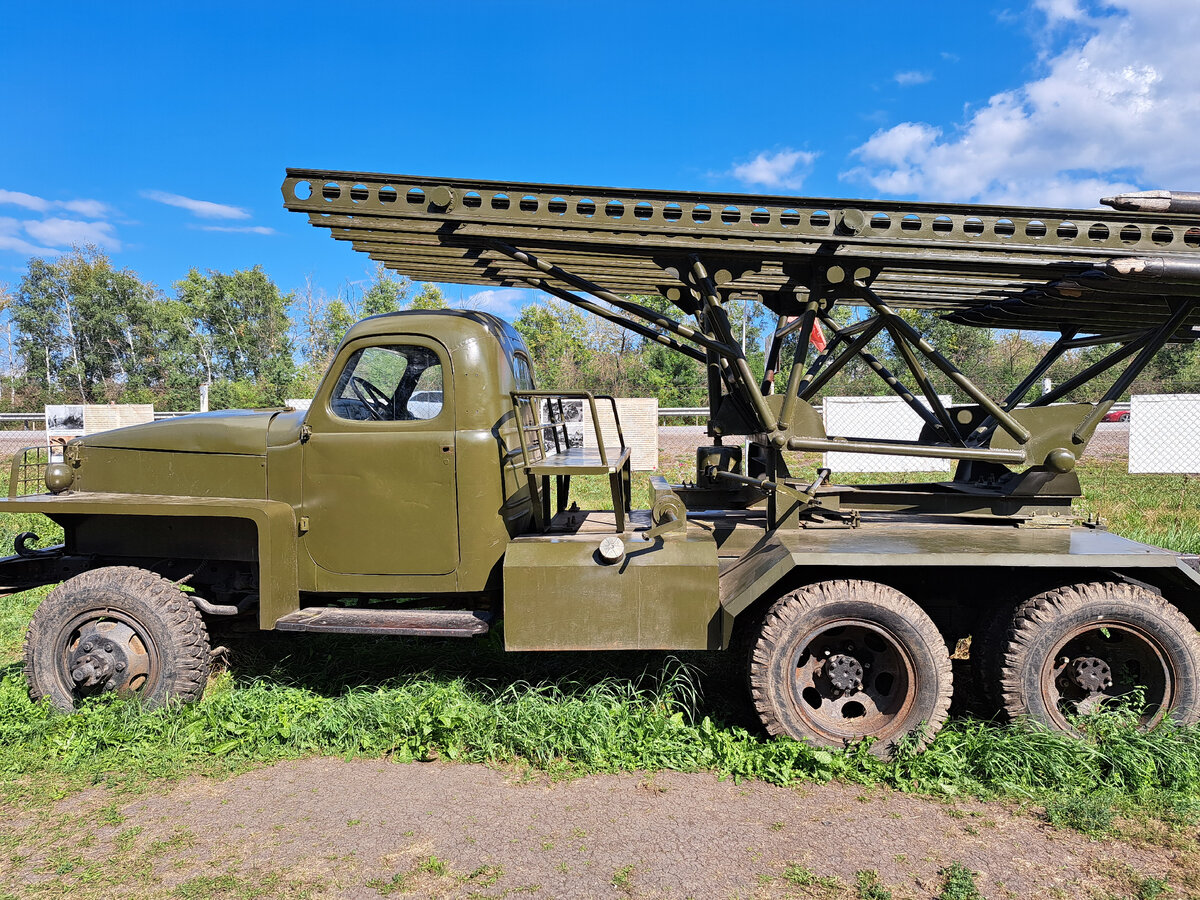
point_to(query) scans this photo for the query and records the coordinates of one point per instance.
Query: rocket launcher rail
(1129, 276)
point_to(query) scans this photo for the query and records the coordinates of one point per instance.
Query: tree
(556, 335)
(87, 331)
(239, 323)
(386, 293)
(430, 297)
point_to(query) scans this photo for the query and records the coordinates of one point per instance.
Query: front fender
(275, 523)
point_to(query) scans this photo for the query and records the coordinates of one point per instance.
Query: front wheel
(839, 661)
(116, 630)
(1076, 649)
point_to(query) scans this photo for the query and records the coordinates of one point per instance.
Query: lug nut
(120, 667)
(87, 647)
(108, 648)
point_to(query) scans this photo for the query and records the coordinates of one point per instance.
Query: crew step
(415, 622)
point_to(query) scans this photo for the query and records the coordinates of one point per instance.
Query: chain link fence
(889, 417)
(1164, 433)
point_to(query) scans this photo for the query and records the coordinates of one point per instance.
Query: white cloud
(506, 303)
(785, 168)
(68, 232)
(10, 239)
(1057, 11)
(93, 209)
(1119, 109)
(238, 229)
(29, 201)
(907, 79)
(205, 209)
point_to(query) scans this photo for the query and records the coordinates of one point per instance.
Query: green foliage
(386, 293)
(557, 337)
(1089, 813)
(87, 332)
(240, 324)
(429, 297)
(959, 883)
(868, 887)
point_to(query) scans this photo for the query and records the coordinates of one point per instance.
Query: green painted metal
(561, 595)
(274, 525)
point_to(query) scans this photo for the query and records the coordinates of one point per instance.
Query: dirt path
(332, 828)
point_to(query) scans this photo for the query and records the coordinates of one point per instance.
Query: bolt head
(120, 667)
(87, 647)
(108, 648)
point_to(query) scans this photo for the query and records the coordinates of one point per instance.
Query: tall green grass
(574, 724)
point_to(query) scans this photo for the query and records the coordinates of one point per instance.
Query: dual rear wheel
(839, 661)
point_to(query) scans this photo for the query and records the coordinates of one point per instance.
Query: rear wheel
(116, 630)
(1075, 649)
(840, 661)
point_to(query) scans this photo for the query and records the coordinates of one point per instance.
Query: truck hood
(240, 431)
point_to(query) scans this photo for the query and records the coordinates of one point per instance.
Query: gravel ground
(366, 828)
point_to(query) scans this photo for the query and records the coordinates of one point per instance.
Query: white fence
(888, 418)
(1164, 433)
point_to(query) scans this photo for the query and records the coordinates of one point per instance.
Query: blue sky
(161, 131)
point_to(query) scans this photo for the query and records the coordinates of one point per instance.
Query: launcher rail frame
(1128, 278)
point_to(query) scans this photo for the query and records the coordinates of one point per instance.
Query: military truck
(430, 480)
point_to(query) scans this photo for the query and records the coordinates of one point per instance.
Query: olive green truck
(430, 482)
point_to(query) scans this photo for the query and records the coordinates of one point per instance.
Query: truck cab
(400, 471)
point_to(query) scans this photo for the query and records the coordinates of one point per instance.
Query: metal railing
(527, 400)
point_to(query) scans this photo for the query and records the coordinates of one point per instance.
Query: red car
(1117, 415)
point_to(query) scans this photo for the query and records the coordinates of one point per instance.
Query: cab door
(378, 461)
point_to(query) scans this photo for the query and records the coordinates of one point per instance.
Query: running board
(414, 622)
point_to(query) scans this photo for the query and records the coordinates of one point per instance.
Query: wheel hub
(1090, 673)
(844, 672)
(107, 657)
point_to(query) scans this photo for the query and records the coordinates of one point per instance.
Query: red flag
(818, 337)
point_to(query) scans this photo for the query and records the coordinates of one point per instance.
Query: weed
(432, 865)
(1088, 813)
(125, 839)
(802, 876)
(959, 883)
(869, 888)
(397, 883)
(623, 878)
(485, 876)
(110, 815)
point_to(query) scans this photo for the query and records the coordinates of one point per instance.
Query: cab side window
(523, 372)
(391, 383)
